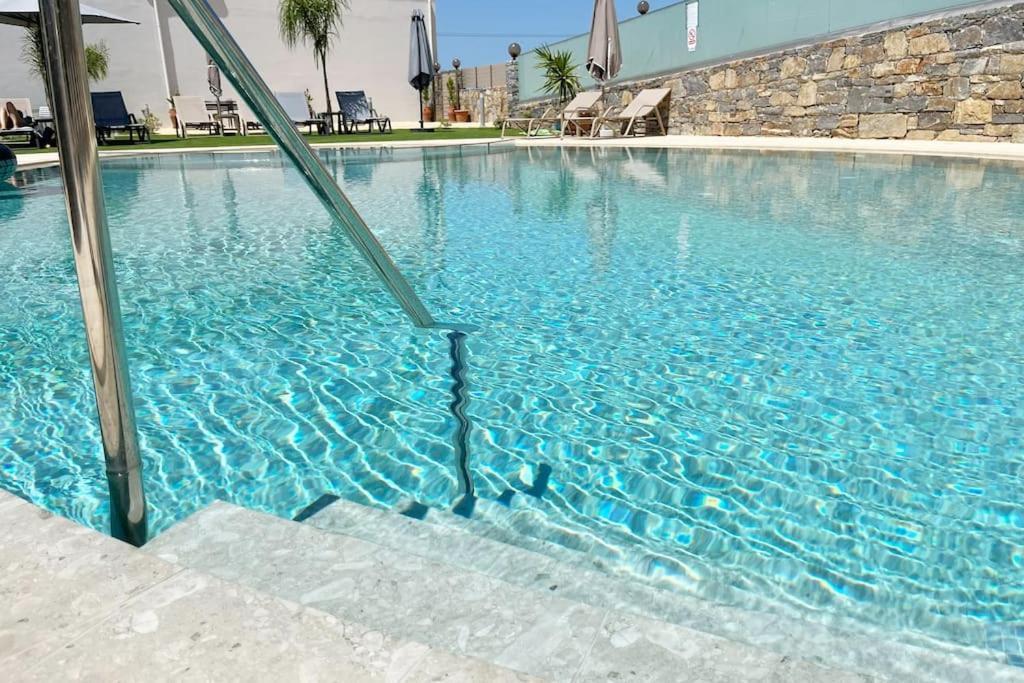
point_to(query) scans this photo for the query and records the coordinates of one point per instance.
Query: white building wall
(135, 67)
(371, 53)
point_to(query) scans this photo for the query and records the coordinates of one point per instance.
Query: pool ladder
(64, 58)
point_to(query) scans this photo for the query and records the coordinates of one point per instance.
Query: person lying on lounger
(11, 117)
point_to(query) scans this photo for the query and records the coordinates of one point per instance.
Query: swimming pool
(798, 378)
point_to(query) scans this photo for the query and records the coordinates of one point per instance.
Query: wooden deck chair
(647, 106)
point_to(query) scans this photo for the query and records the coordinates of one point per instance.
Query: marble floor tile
(57, 579)
(631, 648)
(458, 610)
(195, 627)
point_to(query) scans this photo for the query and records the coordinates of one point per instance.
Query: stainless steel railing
(64, 53)
(208, 29)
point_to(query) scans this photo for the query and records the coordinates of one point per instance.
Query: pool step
(532, 630)
(482, 545)
(79, 605)
(540, 522)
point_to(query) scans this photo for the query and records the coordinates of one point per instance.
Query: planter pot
(462, 116)
(451, 114)
(173, 114)
(428, 113)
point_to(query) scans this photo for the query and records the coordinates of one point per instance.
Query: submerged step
(498, 551)
(463, 611)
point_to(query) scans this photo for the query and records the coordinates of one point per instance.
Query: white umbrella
(26, 13)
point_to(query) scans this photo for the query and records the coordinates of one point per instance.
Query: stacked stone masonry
(958, 78)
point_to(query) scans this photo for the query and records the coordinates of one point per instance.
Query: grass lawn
(198, 140)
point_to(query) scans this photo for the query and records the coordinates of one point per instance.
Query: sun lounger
(355, 110)
(112, 117)
(579, 116)
(294, 104)
(192, 113)
(531, 126)
(647, 108)
(9, 127)
(584, 104)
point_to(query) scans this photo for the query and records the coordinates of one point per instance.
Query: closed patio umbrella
(213, 80)
(421, 59)
(604, 53)
(26, 13)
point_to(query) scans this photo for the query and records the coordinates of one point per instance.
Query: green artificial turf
(161, 142)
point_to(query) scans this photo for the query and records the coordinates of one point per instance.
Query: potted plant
(560, 77)
(428, 111)
(172, 113)
(151, 121)
(452, 94)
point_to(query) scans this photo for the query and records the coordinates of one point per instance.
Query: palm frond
(560, 77)
(311, 21)
(314, 22)
(97, 55)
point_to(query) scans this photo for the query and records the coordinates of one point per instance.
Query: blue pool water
(797, 378)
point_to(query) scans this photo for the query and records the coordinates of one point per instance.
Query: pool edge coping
(1005, 151)
(1000, 151)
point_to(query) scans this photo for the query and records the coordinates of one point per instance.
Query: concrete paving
(971, 150)
(78, 605)
(530, 629)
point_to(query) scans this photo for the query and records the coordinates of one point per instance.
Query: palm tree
(560, 77)
(97, 55)
(316, 22)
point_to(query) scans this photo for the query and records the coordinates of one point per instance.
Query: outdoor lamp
(437, 67)
(643, 7)
(514, 51)
(456, 63)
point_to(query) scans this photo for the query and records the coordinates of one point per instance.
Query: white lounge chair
(28, 130)
(532, 125)
(648, 106)
(192, 113)
(294, 104)
(579, 116)
(583, 103)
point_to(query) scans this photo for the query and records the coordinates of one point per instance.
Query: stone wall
(495, 101)
(958, 78)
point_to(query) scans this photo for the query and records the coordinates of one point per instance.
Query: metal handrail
(64, 55)
(219, 44)
(64, 58)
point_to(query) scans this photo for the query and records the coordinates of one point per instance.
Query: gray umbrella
(604, 53)
(421, 59)
(26, 13)
(213, 80)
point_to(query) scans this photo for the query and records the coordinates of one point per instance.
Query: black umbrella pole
(422, 128)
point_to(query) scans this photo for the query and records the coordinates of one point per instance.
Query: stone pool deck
(358, 593)
(77, 605)
(969, 150)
